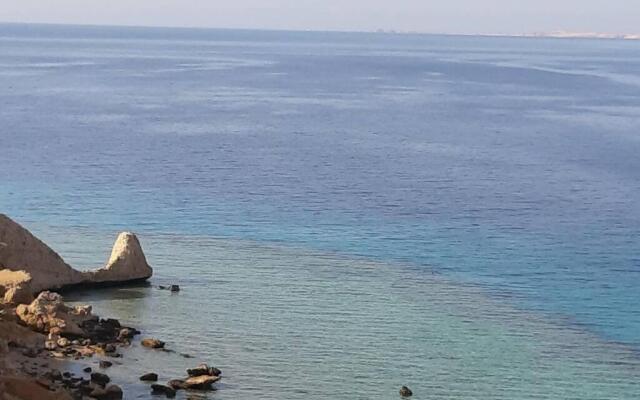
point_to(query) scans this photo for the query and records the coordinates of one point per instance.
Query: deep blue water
(511, 164)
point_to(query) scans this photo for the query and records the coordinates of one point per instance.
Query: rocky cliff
(28, 266)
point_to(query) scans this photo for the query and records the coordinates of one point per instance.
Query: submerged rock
(405, 392)
(161, 389)
(111, 392)
(150, 377)
(99, 378)
(152, 343)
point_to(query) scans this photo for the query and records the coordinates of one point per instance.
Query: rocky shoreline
(45, 344)
(42, 340)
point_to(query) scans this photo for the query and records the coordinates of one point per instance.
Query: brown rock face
(49, 313)
(20, 250)
(27, 265)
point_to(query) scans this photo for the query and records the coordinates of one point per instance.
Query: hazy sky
(447, 16)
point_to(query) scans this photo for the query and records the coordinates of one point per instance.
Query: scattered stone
(174, 288)
(84, 351)
(203, 382)
(50, 345)
(111, 322)
(204, 369)
(105, 364)
(177, 383)
(150, 377)
(114, 392)
(99, 378)
(185, 355)
(87, 370)
(48, 311)
(63, 342)
(110, 348)
(54, 375)
(111, 392)
(153, 343)
(30, 352)
(126, 333)
(56, 354)
(43, 384)
(161, 389)
(405, 392)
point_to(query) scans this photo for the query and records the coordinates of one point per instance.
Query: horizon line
(556, 34)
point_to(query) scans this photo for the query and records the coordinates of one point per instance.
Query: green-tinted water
(285, 323)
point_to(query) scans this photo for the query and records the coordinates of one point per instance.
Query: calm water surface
(346, 213)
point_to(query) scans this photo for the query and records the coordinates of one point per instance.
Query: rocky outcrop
(127, 262)
(29, 266)
(49, 313)
(21, 251)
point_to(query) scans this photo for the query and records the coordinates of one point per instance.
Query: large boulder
(48, 313)
(127, 262)
(29, 265)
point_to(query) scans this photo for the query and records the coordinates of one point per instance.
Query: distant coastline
(552, 34)
(583, 35)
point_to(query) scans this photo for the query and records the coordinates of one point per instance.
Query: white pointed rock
(127, 262)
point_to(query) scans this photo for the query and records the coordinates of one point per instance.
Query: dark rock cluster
(201, 377)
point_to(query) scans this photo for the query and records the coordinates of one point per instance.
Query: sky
(431, 16)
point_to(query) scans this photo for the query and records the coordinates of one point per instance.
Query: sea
(345, 213)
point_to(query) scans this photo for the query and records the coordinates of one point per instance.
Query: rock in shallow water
(152, 343)
(111, 392)
(405, 392)
(204, 369)
(161, 389)
(150, 377)
(99, 378)
(203, 382)
(176, 383)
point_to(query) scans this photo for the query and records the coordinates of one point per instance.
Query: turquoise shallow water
(288, 323)
(346, 212)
